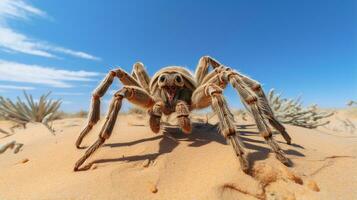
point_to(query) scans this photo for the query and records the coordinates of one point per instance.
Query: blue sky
(296, 47)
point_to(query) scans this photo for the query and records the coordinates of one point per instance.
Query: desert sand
(138, 164)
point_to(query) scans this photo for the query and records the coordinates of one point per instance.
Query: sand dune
(137, 164)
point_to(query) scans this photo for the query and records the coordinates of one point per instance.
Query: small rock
(286, 173)
(94, 166)
(153, 189)
(146, 163)
(25, 160)
(18, 147)
(313, 186)
(294, 177)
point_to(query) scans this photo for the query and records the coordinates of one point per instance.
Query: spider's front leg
(94, 111)
(155, 116)
(211, 94)
(181, 110)
(135, 95)
(183, 119)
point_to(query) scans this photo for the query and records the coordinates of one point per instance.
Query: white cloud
(78, 54)
(14, 87)
(11, 40)
(18, 72)
(18, 9)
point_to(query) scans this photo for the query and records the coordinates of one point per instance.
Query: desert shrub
(352, 103)
(291, 111)
(136, 110)
(22, 112)
(81, 114)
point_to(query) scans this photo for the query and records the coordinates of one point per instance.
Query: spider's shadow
(202, 134)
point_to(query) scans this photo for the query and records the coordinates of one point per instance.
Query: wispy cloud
(11, 40)
(78, 54)
(14, 87)
(18, 9)
(18, 72)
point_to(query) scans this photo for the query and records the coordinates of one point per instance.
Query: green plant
(22, 112)
(291, 111)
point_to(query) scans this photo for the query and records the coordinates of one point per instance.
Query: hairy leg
(94, 110)
(205, 77)
(155, 116)
(264, 105)
(141, 75)
(183, 119)
(251, 100)
(105, 132)
(203, 66)
(212, 94)
(136, 96)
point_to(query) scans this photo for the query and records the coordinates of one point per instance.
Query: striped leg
(211, 94)
(136, 96)
(251, 100)
(264, 104)
(141, 75)
(94, 110)
(183, 119)
(155, 116)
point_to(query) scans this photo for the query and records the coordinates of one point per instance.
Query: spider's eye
(162, 78)
(178, 79)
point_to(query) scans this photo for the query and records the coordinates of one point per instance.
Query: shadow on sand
(202, 134)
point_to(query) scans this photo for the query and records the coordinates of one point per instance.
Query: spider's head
(170, 84)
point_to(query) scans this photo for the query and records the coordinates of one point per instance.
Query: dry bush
(79, 114)
(291, 111)
(352, 103)
(21, 112)
(136, 110)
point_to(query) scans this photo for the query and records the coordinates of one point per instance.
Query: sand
(137, 164)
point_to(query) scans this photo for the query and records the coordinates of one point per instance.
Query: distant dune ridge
(137, 164)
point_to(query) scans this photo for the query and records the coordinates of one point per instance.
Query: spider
(175, 89)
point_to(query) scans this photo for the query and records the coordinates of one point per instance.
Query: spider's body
(172, 84)
(175, 89)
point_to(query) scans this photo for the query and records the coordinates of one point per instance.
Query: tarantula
(175, 89)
